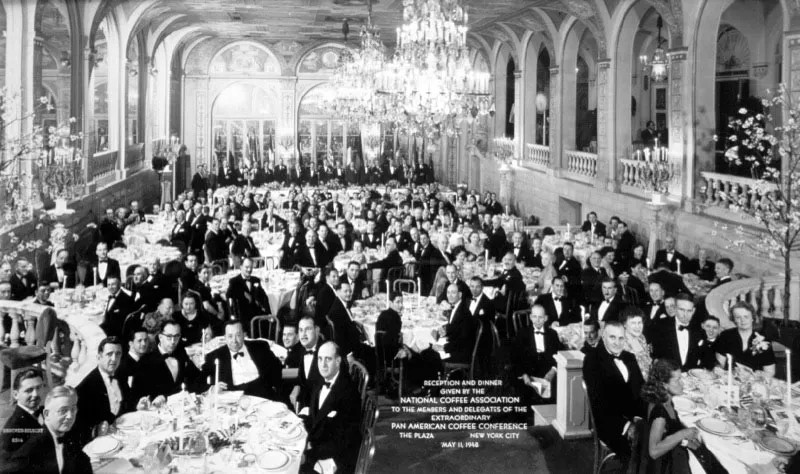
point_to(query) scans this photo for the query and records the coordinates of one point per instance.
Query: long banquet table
(244, 434)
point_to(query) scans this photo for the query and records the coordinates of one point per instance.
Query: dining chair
(273, 332)
(404, 285)
(359, 375)
(521, 319)
(602, 453)
(258, 262)
(393, 370)
(36, 354)
(469, 368)
(369, 415)
(365, 453)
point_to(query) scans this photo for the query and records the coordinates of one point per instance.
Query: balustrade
(581, 165)
(103, 164)
(732, 192)
(765, 294)
(134, 158)
(538, 156)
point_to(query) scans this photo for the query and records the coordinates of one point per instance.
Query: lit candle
(678, 263)
(730, 380)
(648, 262)
(567, 227)
(216, 379)
(789, 380)
(486, 261)
(419, 290)
(388, 298)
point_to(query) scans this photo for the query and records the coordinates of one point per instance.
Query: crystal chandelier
(352, 95)
(430, 79)
(657, 66)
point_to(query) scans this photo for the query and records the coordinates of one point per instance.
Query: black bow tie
(556, 298)
(327, 384)
(38, 412)
(236, 355)
(167, 356)
(60, 439)
(617, 357)
(539, 332)
(111, 377)
(683, 328)
(103, 261)
(309, 352)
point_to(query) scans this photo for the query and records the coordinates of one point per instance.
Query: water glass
(758, 417)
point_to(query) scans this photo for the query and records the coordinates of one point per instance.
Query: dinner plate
(702, 374)
(102, 446)
(273, 460)
(716, 426)
(777, 445)
(683, 404)
(290, 434)
(230, 398)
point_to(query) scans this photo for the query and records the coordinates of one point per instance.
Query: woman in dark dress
(744, 342)
(666, 440)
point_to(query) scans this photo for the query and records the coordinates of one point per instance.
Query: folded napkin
(542, 387)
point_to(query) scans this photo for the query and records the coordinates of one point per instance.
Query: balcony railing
(633, 177)
(581, 165)
(765, 294)
(134, 158)
(536, 156)
(103, 165)
(725, 191)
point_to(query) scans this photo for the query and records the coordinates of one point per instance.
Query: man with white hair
(53, 451)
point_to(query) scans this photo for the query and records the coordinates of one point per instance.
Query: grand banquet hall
(399, 236)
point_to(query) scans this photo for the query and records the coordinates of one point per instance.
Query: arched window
(244, 117)
(321, 136)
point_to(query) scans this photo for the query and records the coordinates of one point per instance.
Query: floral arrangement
(748, 144)
(760, 344)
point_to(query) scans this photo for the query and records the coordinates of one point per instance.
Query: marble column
(680, 155)
(554, 125)
(606, 164)
(519, 115)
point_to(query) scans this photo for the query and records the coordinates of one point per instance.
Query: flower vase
(658, 198)
(61, 205)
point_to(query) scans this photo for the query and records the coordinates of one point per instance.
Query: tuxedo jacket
(705, 271)
(570, 268)
(146, 296)
(570, 312)
(614, 400)
(661, 256)
(461, 332)
(280, 173)
(371, 240)
(340, 244)
(94, 406)
(393, 259)
(430, 259)
(50, 275)
(590, 283)
(496, 243)
(462, 287)
(153, 377)
(650, 318)
(249, 302)
(612, 312)
(244, 247)
(291, 249)
(325, 296)
(269, 369)
(390, 323)
(348, 336)
(599, 228)
(19, 428)
(114, 317)
(664, 339)
(306, 380)
(333, 427)
(38, 456)
(527, 358)
(672, 283)
(357, 286)
(523, 254)
(181, 232)
(216, 247)
(511, 279)
(111, 269)
(304, 256)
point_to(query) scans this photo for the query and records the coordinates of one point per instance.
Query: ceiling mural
(322, 59)
(245, 58)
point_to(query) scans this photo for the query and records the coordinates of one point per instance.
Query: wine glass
(244, 403)
(759, 418)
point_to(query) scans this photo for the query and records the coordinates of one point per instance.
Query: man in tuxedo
(451, 272)
(26, 420)
(292, 243)
(325, 296)
(626, 242)
(200, 181)
(272, 222)
(119, 306)
(280, 172)
(707, 348)
(102, 395)
(354, 278)
(511, 278)
(723, 270)
(244, 365)
(247, 294)
(243, 245)
(289, 340)
(493, 207)
(43, 295)
(592, 226)
(654, 309)
(533, 354)
(519, 249)
(461, 328)
(430, 259)
(52, 451)
(215, 246)
(308, 376)
(104, 268)
(23, 281)
(333, 415)
(346, 333)
(591, 335)
(181, 230)
(392, 259)
(138, 345)
(496, 241)
(702, 266)
(613, 382)
(343, 241)
(591, 278)
(674, 259)
(371, 238)
(611, 305)
(57, 275)
(675, 339)
(167, 369)
(313, 254)
(144, 295)
(569, 268)
(560, 308)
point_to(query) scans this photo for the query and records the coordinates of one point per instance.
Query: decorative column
(572, 407)
(287, 121)
(555, 120)
(519, 115)
(656, 224)
(680, 155)
(506, 185)
(606, 165)
(87, 112)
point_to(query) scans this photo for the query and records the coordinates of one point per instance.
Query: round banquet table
(246, 434)
(741, 450)
(269, 243)
(582, 249)
(420, 316)
(279, 285)
(136, 253)
(159, 229)
(530, 276)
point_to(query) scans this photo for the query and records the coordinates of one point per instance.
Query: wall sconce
(65, 62)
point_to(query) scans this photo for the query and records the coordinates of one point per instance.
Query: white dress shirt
(172, 364)
(313, 253)
(243, 369)
(60, 275)
(59, 451)
(654, 310)
(683, 341)
(670, 255)
(538, 337)
(102, 268)
(623, 369)
(452, 313)
(114, 393)
(474, 304)
(601, 311)
(308, 360)
(557, 304)
(323, 393)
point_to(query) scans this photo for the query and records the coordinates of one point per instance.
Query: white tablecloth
(419, 319)
(279, 285)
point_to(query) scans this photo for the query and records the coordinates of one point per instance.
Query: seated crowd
(631, 316)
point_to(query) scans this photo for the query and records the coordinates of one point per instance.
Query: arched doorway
(322, 137)
(243, 118)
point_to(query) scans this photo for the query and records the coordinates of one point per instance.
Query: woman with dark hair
(747, 346)
(666, 438)
(638, 258)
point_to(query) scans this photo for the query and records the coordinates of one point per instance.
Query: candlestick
(730, 379)
(486, 262)
(648, 262)
(216, 377)
(678, 263)
(568, 228)
(789, 380)
(388, 298)
(419, 290)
